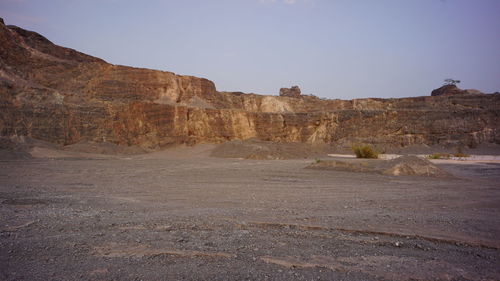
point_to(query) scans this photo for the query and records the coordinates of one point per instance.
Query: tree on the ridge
(450, 81)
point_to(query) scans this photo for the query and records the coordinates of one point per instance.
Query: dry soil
(183, 215)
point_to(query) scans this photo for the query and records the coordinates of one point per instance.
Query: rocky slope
(59, 95)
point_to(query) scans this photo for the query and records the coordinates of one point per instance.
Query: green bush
(364, 151)
(438, 156)
(433, 156)
(461, 155)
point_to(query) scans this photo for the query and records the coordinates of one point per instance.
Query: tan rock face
(63, 96)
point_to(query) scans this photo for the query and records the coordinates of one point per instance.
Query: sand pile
(341, 166)
(13, 149)
(264, 150)
(103, 148)
(404, 165)
(21, 147)
(413, 166)
(6, 154)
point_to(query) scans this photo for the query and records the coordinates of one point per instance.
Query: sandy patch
(263, 150)
(403, 165)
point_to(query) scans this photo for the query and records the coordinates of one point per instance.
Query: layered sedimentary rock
(60, 95)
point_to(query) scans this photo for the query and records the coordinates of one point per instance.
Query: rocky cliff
(60, 95)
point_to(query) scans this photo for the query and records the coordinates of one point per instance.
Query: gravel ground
(182, 215)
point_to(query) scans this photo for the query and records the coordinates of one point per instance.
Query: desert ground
(181, 214)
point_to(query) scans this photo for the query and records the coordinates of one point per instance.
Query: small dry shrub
(438, 156)
(459, 153)
(364, 151)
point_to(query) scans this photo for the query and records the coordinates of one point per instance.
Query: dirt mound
(264, 150)
(13, 149)
(104, 148)
(448, 90)
(341, 166)
(413, 166)
(21, 147)
(404, 165)
(6, 154)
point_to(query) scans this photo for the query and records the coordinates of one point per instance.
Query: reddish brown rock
(293, 92)
(448, 90)
(59, 95)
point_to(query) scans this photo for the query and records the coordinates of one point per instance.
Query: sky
(337, 49)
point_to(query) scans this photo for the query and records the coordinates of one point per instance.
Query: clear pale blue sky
(331, 48)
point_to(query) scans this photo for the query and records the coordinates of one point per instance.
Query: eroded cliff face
(63, 96)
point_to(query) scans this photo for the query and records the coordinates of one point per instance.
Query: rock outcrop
(293, 92)
(448, 90)
(59, 95)
(453, 90)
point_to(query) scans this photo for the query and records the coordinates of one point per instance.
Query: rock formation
(62, 96)
(293, 92)
(452, 90)
(447, 90)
